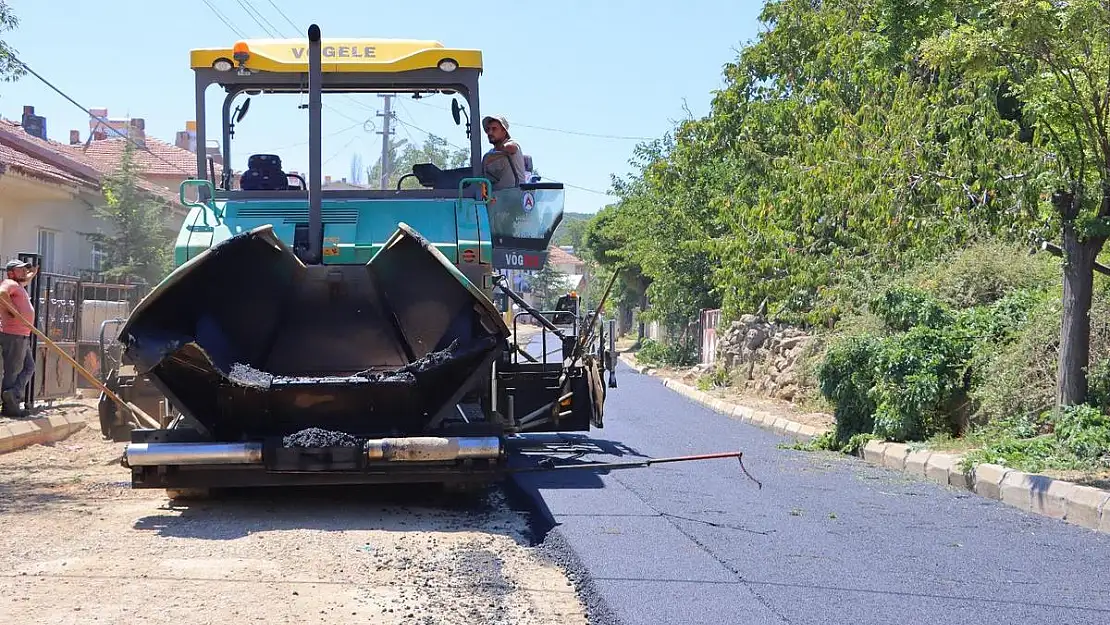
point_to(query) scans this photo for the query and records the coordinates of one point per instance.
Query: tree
(403, 155)
(139, 247)
(548, 284)
(605, 241)
(571, 230)
(1056, 56)
(10, 67)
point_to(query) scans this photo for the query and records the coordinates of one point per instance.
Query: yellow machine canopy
(339, 56)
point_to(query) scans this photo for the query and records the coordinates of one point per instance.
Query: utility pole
(386, 131)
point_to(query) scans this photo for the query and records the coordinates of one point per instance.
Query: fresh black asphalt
(828, 538)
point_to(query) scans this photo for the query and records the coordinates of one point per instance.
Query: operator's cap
(15, 264)
(498, 118)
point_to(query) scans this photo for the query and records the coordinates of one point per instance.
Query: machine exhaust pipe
(399, 449)
(157, 454)
(315, 211)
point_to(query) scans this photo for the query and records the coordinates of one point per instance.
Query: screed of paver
(77, 545)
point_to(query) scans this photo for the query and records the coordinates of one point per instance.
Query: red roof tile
(31, 166)
(51, 158)
(162, 159)
(558, 256)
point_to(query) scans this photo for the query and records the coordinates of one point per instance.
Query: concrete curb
(1084, 506)
(19, 434)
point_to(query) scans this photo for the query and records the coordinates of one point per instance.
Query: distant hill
(570, 229)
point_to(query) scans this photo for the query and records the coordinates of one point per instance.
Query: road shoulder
(54, 425)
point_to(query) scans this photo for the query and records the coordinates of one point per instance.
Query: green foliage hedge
(919, 373)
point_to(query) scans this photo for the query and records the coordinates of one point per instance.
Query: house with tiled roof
(48, 193)
(571, 266)
(158, 162)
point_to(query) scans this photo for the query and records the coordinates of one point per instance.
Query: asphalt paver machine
(317, 336)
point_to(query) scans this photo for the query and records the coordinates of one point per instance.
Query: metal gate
(709, 321)
(70, 310)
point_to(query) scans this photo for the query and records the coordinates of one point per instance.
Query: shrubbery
(672, 353)
(966, 347)
(919, 374)
(1079, 438)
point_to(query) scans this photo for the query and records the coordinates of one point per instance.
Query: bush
(985, 272)
(1020, 377)
(1079, 440)
(1098, 385)
(1084, 432)
(670, 353)
(920, 383)
(902, 307)
(846, 376)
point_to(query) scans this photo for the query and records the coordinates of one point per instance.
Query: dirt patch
(78, 545)
(64, 406)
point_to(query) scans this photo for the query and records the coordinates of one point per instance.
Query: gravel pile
(318, 437)
(433, 360)
(247, 375)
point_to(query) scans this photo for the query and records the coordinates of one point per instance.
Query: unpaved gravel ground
(77, 545)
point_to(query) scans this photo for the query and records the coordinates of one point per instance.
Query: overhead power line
(224, 19)
(435, 136)
(252, 11)
(282, 13)
(103, 121)
(394, 116)
(558, 130)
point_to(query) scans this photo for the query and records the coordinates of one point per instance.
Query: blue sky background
(624, 68)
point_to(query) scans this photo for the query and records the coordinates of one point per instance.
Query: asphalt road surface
(828, 538)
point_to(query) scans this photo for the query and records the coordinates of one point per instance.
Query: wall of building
(35, 213)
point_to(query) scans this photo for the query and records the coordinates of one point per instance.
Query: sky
(624, 69)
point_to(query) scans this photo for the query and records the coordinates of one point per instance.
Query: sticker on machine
(528, 201)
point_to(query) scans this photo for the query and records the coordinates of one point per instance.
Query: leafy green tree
(403, 155)
(606, 242)
(138, 245)
(548, 284)
(571, 230)
(831, 151)
(1055, 55)
(10, 68)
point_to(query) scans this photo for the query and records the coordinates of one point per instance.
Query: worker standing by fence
(15, 336)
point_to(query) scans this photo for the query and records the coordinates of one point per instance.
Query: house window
(46, 249)
(97, 258)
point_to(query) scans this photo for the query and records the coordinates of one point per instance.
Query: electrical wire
(224, 19)
(327, 136)
(558, 130)
(340, 150)
(103, 121)
(282, 13)
(251, 11)
(434, 136)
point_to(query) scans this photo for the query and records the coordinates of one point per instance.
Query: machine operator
(504, 164)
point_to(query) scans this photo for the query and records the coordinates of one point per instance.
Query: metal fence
(703, 332)
(70, 311)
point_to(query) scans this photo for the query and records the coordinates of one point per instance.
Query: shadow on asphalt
(525, 488)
